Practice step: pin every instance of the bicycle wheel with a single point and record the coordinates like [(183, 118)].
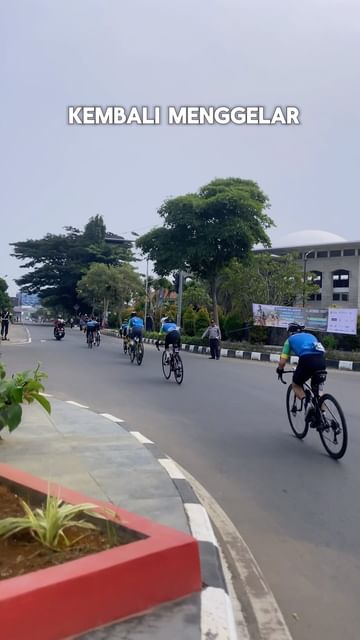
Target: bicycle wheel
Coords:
[(166, 364), (140, 353), (90, 340), (98, 339), (132, 348), (333, 430), (296, 414), (125, 347), (178, 369)]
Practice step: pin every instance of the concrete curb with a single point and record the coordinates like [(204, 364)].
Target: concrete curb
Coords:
[(346, 365), (217, 615)]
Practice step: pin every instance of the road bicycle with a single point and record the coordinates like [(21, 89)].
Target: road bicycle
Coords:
[(125, 345), (172, 363), (136, 350), (90, 339), (97, 338), (320, 412)]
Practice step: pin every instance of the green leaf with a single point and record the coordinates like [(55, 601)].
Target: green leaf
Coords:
[(13, 415), (43, 401)]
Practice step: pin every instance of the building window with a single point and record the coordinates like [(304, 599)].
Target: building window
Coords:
[(335, 254), (345, 297), (311, 254), (315, 296), (336, 296), (316, 278), (322, 254), (349, 252), (341, 279)]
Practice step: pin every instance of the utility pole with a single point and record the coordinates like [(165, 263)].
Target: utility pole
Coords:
[(304, 277), (146, 291)]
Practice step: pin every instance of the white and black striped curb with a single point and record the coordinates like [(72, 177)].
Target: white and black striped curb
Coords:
[(217, 616), (347, 365)]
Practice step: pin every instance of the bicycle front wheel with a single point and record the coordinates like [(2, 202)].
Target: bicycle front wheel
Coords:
[(178, 369), (166, 364), (140, 353), (296, 414), (332, 430)]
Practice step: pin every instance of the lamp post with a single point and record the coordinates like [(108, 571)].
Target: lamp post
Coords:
[(304, 278)]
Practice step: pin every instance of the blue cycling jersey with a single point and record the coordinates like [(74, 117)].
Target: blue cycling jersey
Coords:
[(92, 324), (136, 322), (166, 327), (302, 344)]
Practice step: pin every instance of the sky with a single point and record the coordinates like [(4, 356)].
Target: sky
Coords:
[(194, 52)]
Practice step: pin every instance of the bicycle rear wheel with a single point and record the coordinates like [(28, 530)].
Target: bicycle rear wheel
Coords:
[(296, 414), (140, 353), (178, 369), (166, 364), (132, 354), (90, 341), (333, 430), (97, 340)]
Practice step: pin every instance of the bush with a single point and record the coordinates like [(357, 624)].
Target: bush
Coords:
[(202, 321), (329, 341), (22, 387), (258, 335), (189, 318), (233, 326)]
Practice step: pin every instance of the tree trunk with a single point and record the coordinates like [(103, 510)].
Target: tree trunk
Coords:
[(214, 300)]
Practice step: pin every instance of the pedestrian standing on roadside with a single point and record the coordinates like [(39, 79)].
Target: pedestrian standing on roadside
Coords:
[(214, 334), (5, 319)]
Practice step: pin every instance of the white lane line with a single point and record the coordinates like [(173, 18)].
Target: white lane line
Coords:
[(76, 404), (109, 416), (217, 618), (28, 335), (200, 524), (139, 436), (172, 469)]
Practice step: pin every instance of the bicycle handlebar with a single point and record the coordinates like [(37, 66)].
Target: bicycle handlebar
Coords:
[(280, 375)]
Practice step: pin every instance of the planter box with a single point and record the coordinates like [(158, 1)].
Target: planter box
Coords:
[(83, 594)]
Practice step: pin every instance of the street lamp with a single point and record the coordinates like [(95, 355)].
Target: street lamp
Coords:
[(304, 279), (146, 281)]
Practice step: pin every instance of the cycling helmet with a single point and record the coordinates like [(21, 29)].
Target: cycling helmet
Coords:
[(165, 319), (133, 314), (295, 327)]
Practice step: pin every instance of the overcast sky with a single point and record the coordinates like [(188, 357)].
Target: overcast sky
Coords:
[(199, 52)]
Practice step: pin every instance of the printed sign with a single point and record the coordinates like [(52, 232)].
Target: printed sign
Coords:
[(331, 320), (342, 321)]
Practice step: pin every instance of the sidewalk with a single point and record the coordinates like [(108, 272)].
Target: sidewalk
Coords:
[(17, 335), (103, 460)]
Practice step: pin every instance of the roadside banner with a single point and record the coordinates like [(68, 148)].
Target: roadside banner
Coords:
[(331, 320)]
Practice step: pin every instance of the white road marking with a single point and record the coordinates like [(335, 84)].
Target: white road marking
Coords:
[(255, 355), (200, 524), (139, 436), (76, 404), (109, 416), (345, 364), (172, 469), (217, 619)]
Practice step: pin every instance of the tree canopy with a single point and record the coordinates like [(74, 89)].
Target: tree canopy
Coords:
[(56, 263), (5, 302), (202, 232)]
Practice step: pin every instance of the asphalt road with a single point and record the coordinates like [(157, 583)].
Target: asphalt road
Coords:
[(297, 509)]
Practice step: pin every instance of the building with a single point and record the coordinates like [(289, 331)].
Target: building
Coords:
[(27, 299), (334, 261)]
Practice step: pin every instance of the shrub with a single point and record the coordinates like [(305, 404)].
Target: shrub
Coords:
[(22, 387), (233, 326), (202, 321), (329, 341), (189, 318)]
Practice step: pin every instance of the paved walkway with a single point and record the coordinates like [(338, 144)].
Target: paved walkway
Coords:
[(17, 335), (93, 455)]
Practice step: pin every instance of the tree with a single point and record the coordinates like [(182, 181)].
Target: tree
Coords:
[(56, 263), (5, 302), (202, 321), (189, 318), (264, 279), (196, 294), (204, 231), (106, 287)]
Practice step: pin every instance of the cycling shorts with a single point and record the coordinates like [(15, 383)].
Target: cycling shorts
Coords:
[(173, 337), (136, 332), (307, 366)]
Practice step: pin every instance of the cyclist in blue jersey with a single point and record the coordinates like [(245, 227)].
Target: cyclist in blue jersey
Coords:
[(92, 325), (135, 328), (311, 355), (170, 330)]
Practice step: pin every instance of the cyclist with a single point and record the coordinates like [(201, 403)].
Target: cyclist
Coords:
[(135, 327), (311, 355), (171, 332), (92, 325), (123, 334)]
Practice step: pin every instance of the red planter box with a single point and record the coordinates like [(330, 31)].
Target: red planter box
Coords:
[(70, 599)]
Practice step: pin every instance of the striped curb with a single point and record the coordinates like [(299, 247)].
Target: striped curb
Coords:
[(217, 616), (346, 365)]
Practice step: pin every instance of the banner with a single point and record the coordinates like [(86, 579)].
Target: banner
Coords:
[(331, 320), (342, 321)]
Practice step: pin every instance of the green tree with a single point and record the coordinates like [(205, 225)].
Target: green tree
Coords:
[(262, 279), (5, 302), (189, 318), (56, 263), (202, 321), (196, 294), (204, 231), (106, 287)]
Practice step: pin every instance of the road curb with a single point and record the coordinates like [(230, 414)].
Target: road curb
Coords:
[(345, 365), (217, 616)]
